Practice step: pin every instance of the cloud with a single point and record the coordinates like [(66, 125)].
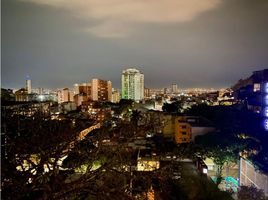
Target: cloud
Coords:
[(116, 17)]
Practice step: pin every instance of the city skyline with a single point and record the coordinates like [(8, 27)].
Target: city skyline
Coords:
[(213, 44)]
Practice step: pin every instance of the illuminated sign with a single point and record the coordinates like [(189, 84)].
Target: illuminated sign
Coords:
[(266, 111), (265, 105), (266, 87), (266, 99), (266, 124)]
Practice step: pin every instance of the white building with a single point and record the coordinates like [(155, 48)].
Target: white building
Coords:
[(28, 85), (132, 84)]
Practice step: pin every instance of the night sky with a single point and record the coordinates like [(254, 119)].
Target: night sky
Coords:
[(194, 43)]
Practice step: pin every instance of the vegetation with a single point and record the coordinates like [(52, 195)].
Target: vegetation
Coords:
[(223, 148), (250, 193), (174, 107)]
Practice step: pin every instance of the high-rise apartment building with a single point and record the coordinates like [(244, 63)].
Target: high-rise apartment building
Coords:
[(65, 95), (115, 96), (101, 90), (174, 88), (28, 85), (132, 84)]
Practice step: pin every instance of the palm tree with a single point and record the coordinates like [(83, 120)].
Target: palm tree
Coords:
[(135, 117)]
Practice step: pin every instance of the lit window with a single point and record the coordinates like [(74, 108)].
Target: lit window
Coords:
[(205, 171), (256, 87), (266, 99), (266, 111)]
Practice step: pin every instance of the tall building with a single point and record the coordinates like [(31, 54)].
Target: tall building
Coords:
[(174, 88), (101, 90), (28, 85), (65, 95), (115, 96), (132, 84)]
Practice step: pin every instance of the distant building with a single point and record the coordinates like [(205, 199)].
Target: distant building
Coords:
[(183, 130), (115, 96), (178, 128), (147, 93), (65, 95), (96, 110), (66, 107), (79, 99), (174, 88), (28, 85), (101, 90), (83, 88), (22, 95), (132, 84), (95, 90)]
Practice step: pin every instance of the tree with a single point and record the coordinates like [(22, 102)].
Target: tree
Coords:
[(250, 193), (43, 159), (174, 107), (223, 148), (135, 118)]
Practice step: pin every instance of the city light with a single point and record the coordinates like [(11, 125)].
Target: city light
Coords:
[(266, 87), (266, 124), (266, 111), (265, 106), (266, 99)]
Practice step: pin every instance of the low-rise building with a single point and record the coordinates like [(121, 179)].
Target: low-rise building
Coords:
[(146, 161)]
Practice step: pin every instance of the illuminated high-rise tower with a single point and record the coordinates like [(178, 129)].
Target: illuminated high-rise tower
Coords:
[(28, 85), (132, 84)]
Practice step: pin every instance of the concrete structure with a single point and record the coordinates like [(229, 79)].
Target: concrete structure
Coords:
[(174, 88), (79, 99), (21, 95), (63, 95), (178, 128), (115, 96), (183, 130), (66, 107), (253, 91), (101, 90), (96, 110), (28, 85), (132, 84), (251, 176)]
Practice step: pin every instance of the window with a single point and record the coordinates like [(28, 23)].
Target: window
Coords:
[(183, 126), (256, 87), (183, 133)]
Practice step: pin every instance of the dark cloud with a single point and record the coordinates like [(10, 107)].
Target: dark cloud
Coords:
[(214, 49)]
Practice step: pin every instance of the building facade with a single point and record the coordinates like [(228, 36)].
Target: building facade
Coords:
[(250, 176), (65, 95), (132, 84), (28, 85), (101, 90), (178, 128)]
